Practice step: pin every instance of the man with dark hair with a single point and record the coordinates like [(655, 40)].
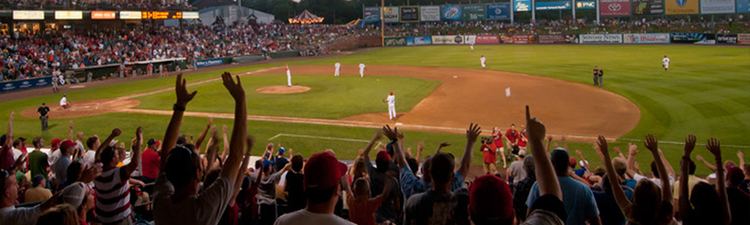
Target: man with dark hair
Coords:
[(43, 115), (322, 182), (437, 205), (692, 181), (38, 162), (176, 198), (294, 185), (112, 185), (38, 191), (60, 168), (578, 198), (92, 143)]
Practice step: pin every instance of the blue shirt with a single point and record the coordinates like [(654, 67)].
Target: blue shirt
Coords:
[(578, 200)]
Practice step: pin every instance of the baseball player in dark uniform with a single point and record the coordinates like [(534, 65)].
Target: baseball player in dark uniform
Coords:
[(43, 115)]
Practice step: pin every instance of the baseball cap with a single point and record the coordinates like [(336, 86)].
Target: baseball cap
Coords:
[(282, 150), (151, 142), (55, 143), (383, 156), (74, 194), (490, 201), (67, 144), (323, 170)]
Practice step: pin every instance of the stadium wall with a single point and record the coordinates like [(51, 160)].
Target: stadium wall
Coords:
[(626, 38)]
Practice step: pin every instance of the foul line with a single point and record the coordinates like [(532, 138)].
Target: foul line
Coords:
[(318, 137)]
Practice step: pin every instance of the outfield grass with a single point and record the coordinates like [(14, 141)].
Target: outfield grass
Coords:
[(329, 97), (705, 93)]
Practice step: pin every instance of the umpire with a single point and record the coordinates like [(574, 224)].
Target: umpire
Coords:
[(43, 115)]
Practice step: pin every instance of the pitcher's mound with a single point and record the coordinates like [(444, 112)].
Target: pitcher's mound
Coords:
[(280, 89)]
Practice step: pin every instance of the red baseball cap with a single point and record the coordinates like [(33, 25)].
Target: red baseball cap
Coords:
[(55, 143), (67, 144), (323, 170), (383, 156), (490, 200)]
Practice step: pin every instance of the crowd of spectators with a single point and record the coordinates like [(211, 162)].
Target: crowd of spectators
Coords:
[(97, 4), (729, 24), (93, 180), (55, 52)]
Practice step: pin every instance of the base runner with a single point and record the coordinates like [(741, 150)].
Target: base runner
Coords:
[(337, 69), (483, 61), (361, 70)]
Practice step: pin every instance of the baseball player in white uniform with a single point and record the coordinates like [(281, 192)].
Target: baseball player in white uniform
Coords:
[(483, 61), (391, 100), (665, 63), (337, 69), (64, 102), (361, 70), (288, 76)]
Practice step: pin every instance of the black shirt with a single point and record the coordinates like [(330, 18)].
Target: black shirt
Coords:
[(43, 110)]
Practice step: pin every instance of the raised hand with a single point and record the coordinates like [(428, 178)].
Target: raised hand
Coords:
[(535, 128), (651, 143), (632, 149), (740, 155), (183, 97), (473, 132), (235, 89), (391, 133), (601, 143), (115, 133), (714, 146), (689, 144)]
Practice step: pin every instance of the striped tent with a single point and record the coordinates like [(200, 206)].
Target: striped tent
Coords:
[(306, 17)]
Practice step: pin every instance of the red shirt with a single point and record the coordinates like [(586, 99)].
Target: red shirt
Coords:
[(498, 140), (150, 161), (512, 135), (363, 212)]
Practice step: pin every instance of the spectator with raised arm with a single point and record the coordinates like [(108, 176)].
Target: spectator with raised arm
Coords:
[(707, 204), (113, 185), (177, 200), (650, 205)]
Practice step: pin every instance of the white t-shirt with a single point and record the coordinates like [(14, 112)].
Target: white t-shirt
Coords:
[(391, 99), (63, 101), (657, 181), (303, 216), (89, 158)]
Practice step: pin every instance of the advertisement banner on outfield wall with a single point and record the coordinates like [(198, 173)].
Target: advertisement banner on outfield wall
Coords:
[(429, 13), (473, 12), (409, 14), (614, 7), (600, 38), (688, 37), (454, 39), (395, 41), (450, 12), (743, 6), (371, 15), (556, 5), (420, 40), (743, 39), (648, 7), (498, 11), (717, 6), (211, 62), (555, 39), (585, 4), (727, 39), (681, 7), (16, 85), (390, 14), (521, 5), (656, 38), (523, 39), (487, 39)]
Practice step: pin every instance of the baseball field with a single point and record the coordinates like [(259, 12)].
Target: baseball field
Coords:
[(439, 90)]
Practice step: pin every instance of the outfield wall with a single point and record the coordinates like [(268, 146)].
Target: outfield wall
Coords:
[(628, 38)]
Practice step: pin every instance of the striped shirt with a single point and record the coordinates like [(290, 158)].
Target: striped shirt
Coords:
[(112, 196)]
